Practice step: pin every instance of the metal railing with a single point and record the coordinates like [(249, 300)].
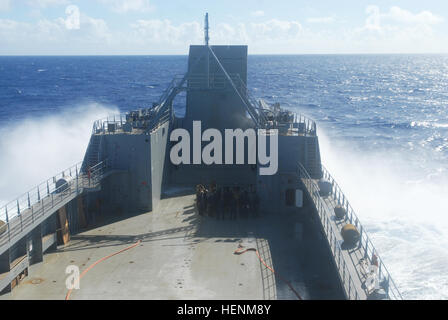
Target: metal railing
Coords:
[(22, 212), (173, 84), (309, 126), (161, 111), (331, 231), (365, 243), (102, 125), (253, 104)]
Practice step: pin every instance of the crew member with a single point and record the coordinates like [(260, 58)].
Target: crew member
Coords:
[(236, 205), (227, 207)]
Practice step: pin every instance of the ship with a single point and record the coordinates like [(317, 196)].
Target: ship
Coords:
[(160, 209)]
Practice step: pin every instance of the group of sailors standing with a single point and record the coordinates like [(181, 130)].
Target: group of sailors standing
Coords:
[(227, 202)]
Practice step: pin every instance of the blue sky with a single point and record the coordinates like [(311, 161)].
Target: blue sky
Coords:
[(270, 27)]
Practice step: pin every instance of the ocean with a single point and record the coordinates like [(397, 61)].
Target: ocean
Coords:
[(382, 124)]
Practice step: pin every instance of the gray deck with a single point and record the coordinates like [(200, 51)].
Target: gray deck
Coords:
[(185, 256), (351, 255)]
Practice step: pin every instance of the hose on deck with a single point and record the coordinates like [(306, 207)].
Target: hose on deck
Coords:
[(239, 251), (67, 297)]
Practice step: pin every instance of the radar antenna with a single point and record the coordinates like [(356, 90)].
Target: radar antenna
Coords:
[(207, 38)]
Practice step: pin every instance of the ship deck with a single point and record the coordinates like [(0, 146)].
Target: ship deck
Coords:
[(185, 256)]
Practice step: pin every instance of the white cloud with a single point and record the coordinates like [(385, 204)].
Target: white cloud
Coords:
[(47, 3), (404, 16), (166, 35), (397, 31), (276, 29), (397, 16), (321, 20), (124, 6), (5, 5), (164, 31), (258, 13), (393, 31), (76, 33), (225, 33)]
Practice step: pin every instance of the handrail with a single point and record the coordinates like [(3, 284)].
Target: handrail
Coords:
[(335, 247), (161, 111), (45, 196), (100, 125), (46, 187), (309, 125), (364, 243)]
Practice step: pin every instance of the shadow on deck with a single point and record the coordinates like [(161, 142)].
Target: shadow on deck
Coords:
[(300, 258), (186, 256)]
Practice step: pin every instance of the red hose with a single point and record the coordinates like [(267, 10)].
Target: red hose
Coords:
[(67, 297), (238, 251)]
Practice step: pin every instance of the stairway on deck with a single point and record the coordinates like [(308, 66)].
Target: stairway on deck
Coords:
[(312, 163), (93, 153)]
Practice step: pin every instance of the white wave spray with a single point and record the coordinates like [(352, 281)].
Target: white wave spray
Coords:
[(407, 219), (37, 148)]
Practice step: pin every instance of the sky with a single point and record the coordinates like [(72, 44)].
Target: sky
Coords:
[(128, 27)]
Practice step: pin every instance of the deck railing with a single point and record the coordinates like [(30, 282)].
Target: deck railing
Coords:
[(307, 126), (101, 125), (162, 112), (45, 197), (365, 243)]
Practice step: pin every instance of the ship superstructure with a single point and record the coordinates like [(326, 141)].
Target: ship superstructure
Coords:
[(128, 193)]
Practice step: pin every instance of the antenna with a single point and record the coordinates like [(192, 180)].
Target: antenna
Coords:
[(206, 29)]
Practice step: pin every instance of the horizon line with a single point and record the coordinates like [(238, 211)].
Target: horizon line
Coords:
[(251, 54)]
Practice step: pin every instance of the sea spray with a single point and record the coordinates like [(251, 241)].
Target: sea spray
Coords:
[(404, 210), (35, 148)]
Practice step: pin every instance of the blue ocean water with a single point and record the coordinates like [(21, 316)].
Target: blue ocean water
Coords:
[(382, 122)]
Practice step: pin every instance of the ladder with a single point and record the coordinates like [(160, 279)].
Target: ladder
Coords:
[(93, 154), (313, 164)]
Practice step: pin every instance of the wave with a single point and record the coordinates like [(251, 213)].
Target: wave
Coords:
[(404, 209), (36, 148)]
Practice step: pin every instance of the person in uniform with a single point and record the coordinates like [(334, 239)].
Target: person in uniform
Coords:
[(244, 200), (254, 202), (198, 199), (236, 205), (218, 199), (204, 200), (211, 201), (227, 203)]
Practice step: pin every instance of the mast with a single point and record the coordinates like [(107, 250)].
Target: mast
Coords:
[(207, 38), (207, 60)]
